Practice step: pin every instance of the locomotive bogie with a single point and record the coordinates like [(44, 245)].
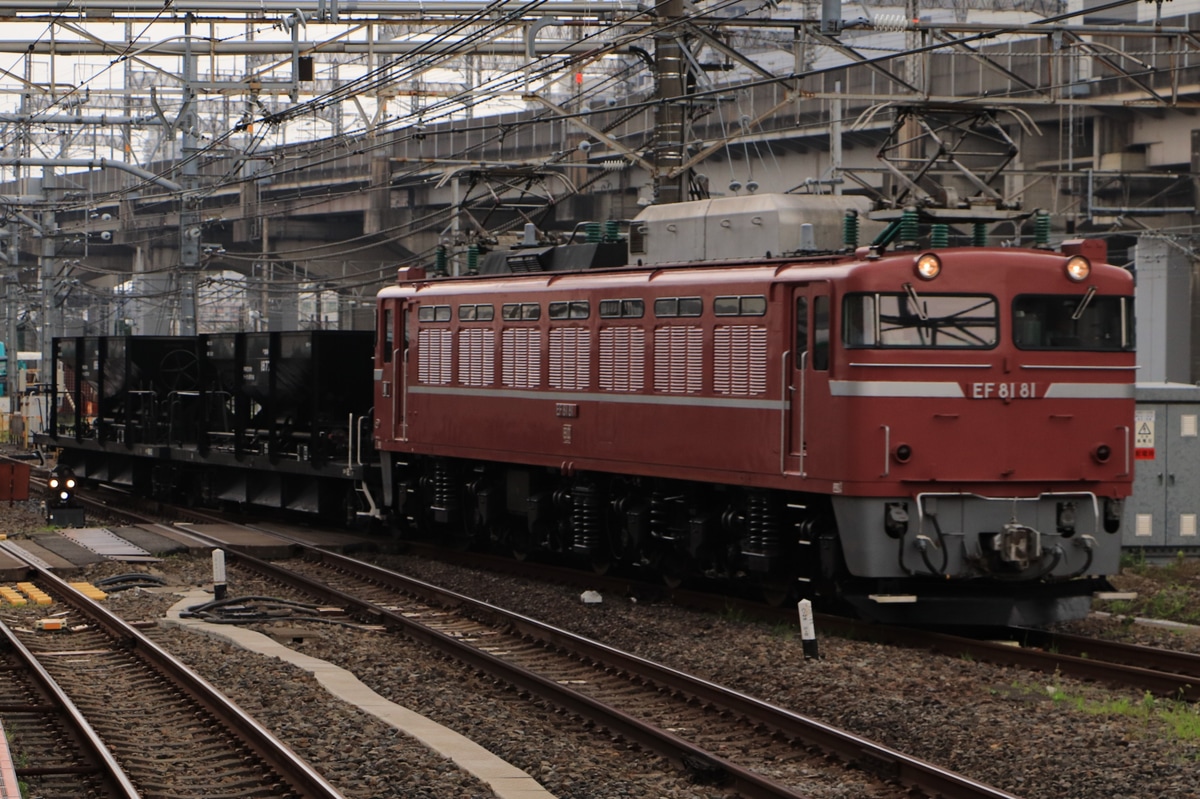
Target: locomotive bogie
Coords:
[(674, 528)]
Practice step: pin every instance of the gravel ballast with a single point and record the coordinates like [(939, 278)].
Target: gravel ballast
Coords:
[(1030, 734)]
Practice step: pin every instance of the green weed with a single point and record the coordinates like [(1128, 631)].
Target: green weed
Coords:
[(1134, 561), (1181, 719)]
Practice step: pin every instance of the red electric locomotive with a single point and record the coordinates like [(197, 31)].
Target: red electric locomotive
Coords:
[(924, 436)]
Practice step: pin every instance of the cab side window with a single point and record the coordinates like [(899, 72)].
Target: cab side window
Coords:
[(820, 344), (801, 330), (389, 335)]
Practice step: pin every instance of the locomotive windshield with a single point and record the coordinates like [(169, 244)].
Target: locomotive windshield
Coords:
[(1072, 322), (910, 319)]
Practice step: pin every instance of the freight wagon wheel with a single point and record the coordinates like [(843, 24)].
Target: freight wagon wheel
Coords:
[(350, 507)]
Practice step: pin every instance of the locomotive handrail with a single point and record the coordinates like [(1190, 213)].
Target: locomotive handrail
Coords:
[(1126, 438), (785, 387), (1088, 495), (354, 455), (925, 365), (404, 393), (364, 431), (887, 446), (1097, 367), (803, 407)]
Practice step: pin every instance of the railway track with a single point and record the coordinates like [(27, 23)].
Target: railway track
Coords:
[(717, 734), (1162, 672), (61, 755), (1145, 669), (1176, 673), (172, 732)]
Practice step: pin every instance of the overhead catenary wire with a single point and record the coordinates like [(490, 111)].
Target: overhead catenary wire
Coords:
[(426, 112), (547, 65), (445, 107)]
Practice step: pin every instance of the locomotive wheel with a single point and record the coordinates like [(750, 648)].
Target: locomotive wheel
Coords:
[(775, 591), (519, 543), (673, 568), (600, 562)]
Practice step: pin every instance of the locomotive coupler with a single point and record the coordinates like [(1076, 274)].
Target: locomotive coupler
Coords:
[(1018, 544)]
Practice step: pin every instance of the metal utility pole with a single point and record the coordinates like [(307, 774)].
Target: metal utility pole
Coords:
[(12, 294), (671, 71), (51, 313), (189, 209)]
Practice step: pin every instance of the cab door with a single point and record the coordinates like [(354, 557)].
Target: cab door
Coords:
[(390, 373), (808, 382)]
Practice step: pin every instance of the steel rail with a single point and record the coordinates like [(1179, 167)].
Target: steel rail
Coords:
[(876, 758), (1179, 677), (299, 774), (619, 723), (1163, 673), (1160, 683), (1168, 675), (89, 740), (1185, 664)]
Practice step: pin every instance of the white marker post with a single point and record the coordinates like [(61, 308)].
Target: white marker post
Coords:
[(219, 587), (808, 630)]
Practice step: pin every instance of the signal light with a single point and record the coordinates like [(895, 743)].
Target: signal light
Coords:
[(62, 508), (62, 486), (903, 453), (1102, 453)]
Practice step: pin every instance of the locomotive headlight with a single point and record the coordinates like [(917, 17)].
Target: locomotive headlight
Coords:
[(70, 482), (903, 453), (928, 266), (1078, 268), (64, 495), (54, 482), (1102, 453)]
